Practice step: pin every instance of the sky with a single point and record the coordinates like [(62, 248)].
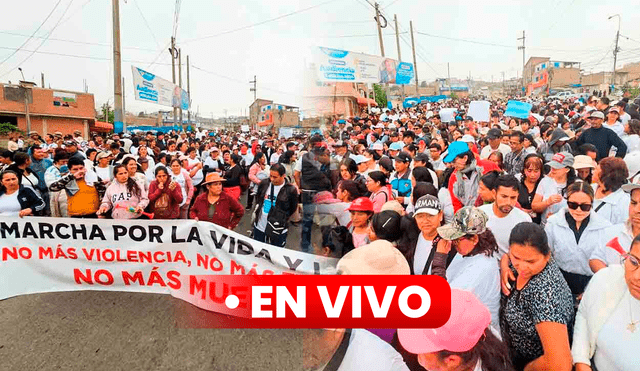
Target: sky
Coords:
[(228, 42)]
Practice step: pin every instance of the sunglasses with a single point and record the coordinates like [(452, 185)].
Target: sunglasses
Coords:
[(575, 205), (632, 259)]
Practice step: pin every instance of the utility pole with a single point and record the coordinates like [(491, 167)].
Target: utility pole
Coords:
[(449, 79), (118, 124), (254, 90), (180, 85), (377, 18), (415, 65), (42, 79), (615, 51), (395, 21), (173, 75), (522, 47), (124, 108), (188, 93)]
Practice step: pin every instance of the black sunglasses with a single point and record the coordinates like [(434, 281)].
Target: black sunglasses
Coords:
[(575, 205)]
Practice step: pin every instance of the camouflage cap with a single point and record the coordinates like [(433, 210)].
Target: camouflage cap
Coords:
[(468, 220)]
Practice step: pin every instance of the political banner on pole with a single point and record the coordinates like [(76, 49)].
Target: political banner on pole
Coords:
[(39, 255), (151, 88), (335, 65)]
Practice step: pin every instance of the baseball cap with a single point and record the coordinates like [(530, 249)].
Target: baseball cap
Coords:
[(423, 157), (359, 159), (494, 133), (403, 156), (379, 257), (467, 138), (427, 204), (33, 133), (377, 146), (392, 126), (379, 126), (466, 325), (468, 220), (361, 204), (561, 160), (633, 164), (396, 146), (456, 148), (102, 155), (70, 143), (596, 114), (215, 149)]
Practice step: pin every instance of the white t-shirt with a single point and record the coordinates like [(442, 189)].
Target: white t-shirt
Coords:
[(501, 227), (199, 176), (546, 188), (267, 205), (423, 249), (487, 150), (105, 173), (479, 274), (9, 204), (183, 185), (367, 351)]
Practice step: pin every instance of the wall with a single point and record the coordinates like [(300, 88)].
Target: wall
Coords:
[(529, 68), (563, 77)]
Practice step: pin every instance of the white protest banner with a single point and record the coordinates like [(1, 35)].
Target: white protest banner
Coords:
[(447, 114), (40, 255), (345, 66), (151, 88), (479, 110), (285, 133)]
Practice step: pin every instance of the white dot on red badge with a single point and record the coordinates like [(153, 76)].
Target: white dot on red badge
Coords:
[(232, 302)]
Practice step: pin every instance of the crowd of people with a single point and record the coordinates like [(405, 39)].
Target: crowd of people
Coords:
[(534, 222)]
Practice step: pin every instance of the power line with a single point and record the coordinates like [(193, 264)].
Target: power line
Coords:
[(43, 41), (241, 81), (258, 23), (393, 2), (79, 56), (76, 11), (33, 34), (76, 41), (369, 35), (146, 23)]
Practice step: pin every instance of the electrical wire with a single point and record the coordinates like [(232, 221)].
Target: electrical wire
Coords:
[(241, 81), (393, 2), (33, 34), (43, 41), (258, 23), (77, 42), (146, 23)]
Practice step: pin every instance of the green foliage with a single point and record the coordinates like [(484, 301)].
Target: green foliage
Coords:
[(7, 127), (454, 95), (630, 92), (381, 95)]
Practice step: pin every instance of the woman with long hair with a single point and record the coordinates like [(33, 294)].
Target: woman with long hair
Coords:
[(611, 201), (133, 168), (476, 267), (288, 160), (532, 174), (380, 192), (125, 197), (536, 311), (258, 171), (17, 200), (143, 152), (26, 176), (181, 176), (574, 233), (165, 195), (232, 175), (632, 135), (549, 198)]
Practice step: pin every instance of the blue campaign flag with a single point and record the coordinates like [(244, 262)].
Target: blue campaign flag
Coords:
[(518, 109)]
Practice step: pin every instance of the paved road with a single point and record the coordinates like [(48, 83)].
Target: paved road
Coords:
[(92, 330)]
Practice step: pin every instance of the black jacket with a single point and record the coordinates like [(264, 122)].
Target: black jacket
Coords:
[(312, 178), (287, 199), (28, 199), (409, 242), (603, 138)]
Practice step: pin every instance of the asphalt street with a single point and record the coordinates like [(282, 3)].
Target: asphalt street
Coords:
[(93, 330)]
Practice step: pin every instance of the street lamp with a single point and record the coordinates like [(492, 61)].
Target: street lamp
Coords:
[(20, 69)]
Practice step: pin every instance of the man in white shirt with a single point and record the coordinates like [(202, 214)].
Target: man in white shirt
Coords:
[(495, 144), (502, 213)]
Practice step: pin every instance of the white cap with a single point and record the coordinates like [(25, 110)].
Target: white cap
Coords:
[(468, 139)]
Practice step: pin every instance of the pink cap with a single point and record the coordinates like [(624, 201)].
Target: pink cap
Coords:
[(468, 321)]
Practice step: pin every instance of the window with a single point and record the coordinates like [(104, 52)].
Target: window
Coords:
[(556, 64), (544, 65)]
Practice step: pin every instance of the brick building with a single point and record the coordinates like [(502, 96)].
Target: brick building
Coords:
[(49, 110), (542, 74)]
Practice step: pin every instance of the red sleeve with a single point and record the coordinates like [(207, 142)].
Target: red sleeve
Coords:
[(457, 204), (154, 191), (237, 212), (193, 212)]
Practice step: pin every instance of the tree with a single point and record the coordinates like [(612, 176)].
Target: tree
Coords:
[(381, 96), (107, 113)]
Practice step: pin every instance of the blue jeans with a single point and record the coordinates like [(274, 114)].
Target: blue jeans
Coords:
[(260, 236), (308, 210)]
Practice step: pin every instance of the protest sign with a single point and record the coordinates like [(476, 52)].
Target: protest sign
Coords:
[(518, 109), (40, 255), (447, 114), (479, 110)]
